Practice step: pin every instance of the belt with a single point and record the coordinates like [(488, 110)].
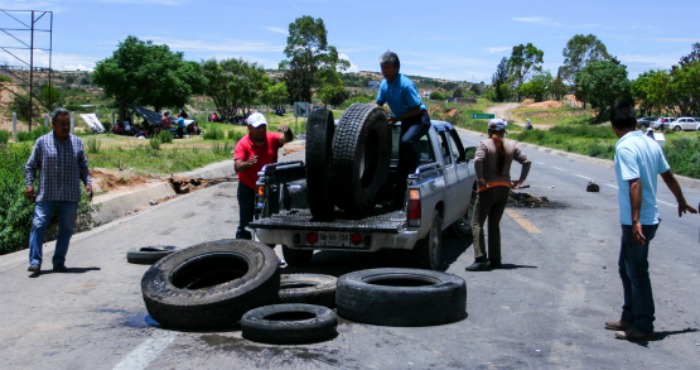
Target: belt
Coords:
[(493, 184)]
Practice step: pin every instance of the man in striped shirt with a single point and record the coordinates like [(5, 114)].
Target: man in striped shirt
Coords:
[(60, 159)]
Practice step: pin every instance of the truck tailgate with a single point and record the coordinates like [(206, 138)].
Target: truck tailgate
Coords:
[(301, 219)]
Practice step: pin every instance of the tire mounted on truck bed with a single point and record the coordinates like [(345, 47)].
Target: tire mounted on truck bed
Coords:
[(361, 157), (211, 285), (319, 151)]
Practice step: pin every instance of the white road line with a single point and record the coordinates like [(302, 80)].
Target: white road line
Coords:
[(666, 203), (538, 162), (143, 355), (611, 186), (584, 177), (559, 168)]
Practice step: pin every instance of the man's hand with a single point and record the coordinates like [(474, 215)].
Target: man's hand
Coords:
[(283, 128), (29, 192), (637, 233), (252, 160), (88, 190), (684, 207), (393, 120)]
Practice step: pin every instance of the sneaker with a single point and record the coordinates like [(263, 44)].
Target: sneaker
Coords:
[(478, 266), (634, 335), (60, 268), (617, 325), (34, 268)]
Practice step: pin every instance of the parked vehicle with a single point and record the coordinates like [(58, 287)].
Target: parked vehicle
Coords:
[(685, 123), (657, 125), (440, 194), (645, 122)]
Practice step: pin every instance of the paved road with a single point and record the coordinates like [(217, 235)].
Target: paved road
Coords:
[(544, 309)]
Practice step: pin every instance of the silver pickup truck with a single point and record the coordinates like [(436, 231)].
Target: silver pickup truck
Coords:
[(440, 195)]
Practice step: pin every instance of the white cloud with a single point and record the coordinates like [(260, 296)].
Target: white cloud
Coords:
[(676, 40), (536, 20), (497, 49), (353, 67), (280, 30), (226, 46)]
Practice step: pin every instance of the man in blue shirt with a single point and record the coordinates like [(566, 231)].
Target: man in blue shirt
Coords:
[(638, 161), (61, 161), (400, 93)]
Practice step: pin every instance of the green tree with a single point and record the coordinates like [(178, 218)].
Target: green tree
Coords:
[(499, 78), (524, 60), (147, 74), (579, 51), (693, 57), (308, 53), (538, 87), (685, 87), (275, 95), (603, 84), (559, 88), (457, 93), (234, 84)]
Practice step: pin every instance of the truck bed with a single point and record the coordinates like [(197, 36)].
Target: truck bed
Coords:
[(300, 219)]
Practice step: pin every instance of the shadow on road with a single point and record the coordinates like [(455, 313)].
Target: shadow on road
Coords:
[(71, 270)]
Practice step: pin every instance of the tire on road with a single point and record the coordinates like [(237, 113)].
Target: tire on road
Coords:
[(429, 249), (290, 323), (361, 157), (316, 289), (319, 152), (149, 255), (211, 285), (401, 297)]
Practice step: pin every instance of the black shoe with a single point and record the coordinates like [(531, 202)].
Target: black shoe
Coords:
[(478, 266), (495, 263), (60, 268), (34, 268)]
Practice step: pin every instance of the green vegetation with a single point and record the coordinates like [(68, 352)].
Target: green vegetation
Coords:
[(4, 136), (15, 210)]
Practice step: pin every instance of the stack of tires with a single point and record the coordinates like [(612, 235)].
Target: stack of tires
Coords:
[(347, 164)]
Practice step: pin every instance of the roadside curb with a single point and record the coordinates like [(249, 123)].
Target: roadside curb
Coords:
[(108, 208)]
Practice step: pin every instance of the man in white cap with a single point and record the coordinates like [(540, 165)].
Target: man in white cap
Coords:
[(252, 152)]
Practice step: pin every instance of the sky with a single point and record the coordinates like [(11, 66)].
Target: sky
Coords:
[(459, 40)]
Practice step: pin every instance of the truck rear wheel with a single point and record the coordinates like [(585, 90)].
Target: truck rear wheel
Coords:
[(429, 249), (319, 152), (297, 257), (361, 157)]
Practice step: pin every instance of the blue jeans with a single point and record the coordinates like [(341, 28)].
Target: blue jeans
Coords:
[(246, 210), (67, 213), (638, 308), (411, 132)]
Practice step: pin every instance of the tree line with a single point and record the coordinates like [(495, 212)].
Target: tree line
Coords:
[(598, 78)]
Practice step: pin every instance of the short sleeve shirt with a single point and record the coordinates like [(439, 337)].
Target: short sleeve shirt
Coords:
[(401, 95), (266, 154), (639, 157)]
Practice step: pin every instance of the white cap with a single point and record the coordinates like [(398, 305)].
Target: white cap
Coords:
[(256, 120)]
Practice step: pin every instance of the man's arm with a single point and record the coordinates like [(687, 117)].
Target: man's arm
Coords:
[(675, 188), (415, 112), (636, 203), (288, 135)]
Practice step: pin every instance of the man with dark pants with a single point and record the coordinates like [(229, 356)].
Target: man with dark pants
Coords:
[(400, 93), (252, 152), (61, 161), (638, 161)]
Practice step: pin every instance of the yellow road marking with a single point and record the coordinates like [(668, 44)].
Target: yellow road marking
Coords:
[(525, 224)]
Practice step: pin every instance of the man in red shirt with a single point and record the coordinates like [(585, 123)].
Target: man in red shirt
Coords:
[(254, 151)]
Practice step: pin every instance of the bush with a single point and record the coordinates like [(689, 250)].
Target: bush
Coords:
[(34, 134), (235, 135), (4, 137), (222, 149), (165, 136), (93, 145), (684, 156), (213, 133), (154, 143), (15, 211)]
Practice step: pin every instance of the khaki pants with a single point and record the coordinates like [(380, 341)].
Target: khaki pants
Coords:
[(490, 205)]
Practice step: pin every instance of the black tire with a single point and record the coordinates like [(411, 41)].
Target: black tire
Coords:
[(462, 228), (429, 249), (361, 157), (676, 128), (308, 288), (211, 285), (319, 153), (401, 297), (297, 257), (149, 255), (290, 323)]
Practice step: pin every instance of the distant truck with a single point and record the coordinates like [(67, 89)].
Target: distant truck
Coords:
[(341, 198)]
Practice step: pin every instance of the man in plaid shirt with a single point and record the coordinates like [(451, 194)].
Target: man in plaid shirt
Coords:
[(62, 164)]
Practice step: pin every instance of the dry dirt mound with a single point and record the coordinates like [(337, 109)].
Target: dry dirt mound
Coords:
[(527, 101), (547, 104), (109, 180)]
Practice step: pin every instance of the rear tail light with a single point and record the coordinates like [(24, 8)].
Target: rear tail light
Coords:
[(312, 238), (413, 210), (260, 190), (356, 238)]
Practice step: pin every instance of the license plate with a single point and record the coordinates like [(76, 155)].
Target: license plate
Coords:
[(334, 239)]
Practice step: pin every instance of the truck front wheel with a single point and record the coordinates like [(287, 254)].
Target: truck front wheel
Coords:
[(429, 249), (297, 257)]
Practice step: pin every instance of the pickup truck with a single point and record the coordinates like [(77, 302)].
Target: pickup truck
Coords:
[(440, 195)]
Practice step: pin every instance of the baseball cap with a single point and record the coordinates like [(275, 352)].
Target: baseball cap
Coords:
[(256, 120), (497, 125)]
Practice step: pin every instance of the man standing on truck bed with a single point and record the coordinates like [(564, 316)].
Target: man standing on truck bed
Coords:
[(406, 106), (252, 152)]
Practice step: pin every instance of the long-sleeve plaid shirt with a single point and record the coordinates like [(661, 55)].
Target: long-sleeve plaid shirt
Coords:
[(61, 165)]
